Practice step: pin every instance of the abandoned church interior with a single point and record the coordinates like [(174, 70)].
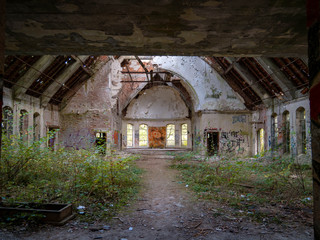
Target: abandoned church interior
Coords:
[(220, 78), (246, 105)]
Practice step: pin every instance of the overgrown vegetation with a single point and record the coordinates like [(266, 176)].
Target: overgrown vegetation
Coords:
[(248, 185), (34, 173)]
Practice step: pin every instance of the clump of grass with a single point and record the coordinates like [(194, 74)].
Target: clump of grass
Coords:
[(246, 184), (103, 184)]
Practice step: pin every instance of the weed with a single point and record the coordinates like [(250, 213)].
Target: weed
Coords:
[(30, 173), (249, 184)]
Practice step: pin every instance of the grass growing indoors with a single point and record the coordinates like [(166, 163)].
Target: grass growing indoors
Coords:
[(31, 173), (251, 187)]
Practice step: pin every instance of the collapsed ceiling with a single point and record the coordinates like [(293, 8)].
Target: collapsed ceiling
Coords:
[(55, 79)]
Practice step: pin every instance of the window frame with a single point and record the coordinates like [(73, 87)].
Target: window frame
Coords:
[(184, 135), (173, 135), (132, 138), (145, 140)]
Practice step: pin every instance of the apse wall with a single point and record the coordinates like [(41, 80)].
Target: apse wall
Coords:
[(157, 107)]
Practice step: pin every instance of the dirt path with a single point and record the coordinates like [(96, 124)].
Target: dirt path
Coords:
[(166, 209)]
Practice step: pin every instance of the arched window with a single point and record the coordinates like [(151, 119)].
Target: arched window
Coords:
[(274, 131), (23, 125), (184, 135), (36, 127), (7, 121), (143, 135), (170, 135), (129, 135), (286, 131), (260, 138), (301, 130)]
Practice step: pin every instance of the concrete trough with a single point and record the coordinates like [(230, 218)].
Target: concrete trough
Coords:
[(54, 213)]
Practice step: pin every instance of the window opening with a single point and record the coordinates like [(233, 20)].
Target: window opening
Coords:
[(212, 143), (170, 135), (129, 135), (52, 135), (101, 142), (184, 135), (7, 121), (260, 138), (143, 135)]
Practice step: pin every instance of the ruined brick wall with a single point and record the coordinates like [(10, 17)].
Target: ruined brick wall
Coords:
[(89, 111)]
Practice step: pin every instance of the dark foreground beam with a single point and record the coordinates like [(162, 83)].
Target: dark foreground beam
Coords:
[(314, 71), (2, 28)]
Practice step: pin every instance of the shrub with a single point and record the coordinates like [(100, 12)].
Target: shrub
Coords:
[(33, 173)]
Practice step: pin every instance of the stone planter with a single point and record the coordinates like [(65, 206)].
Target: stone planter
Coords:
[(54, 213)]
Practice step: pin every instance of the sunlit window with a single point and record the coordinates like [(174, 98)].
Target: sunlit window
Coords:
[(143, 135), (170, 135), (184, 135), (129, 135), (261, 141)]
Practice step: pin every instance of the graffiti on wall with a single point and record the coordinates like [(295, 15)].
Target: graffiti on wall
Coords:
[(293, 142), (233, 142), (239, 119), (157, 137)]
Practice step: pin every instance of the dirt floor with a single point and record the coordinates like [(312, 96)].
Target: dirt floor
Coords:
[(166, 209)]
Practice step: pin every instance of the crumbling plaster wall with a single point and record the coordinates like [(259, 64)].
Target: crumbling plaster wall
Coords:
[(210, 91), (157, 107), (264, 121), (158, 102), (234, 130), (49, 116)]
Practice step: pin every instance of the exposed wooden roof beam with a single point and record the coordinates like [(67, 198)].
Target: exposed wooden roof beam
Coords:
[(61, 80), (245, 74), (281, 79), (31, 75)]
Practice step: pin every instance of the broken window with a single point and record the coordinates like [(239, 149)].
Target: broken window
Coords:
[(7, 121), (129, 135), (184, 135), (301, 130), (23, 125), (274, 131), (36, 127), (286, 131), (260, 137), (101, 142), (143, 135), (170, 135)]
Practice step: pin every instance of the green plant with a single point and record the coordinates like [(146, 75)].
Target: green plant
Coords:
[(245, 183), (32, 173)]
